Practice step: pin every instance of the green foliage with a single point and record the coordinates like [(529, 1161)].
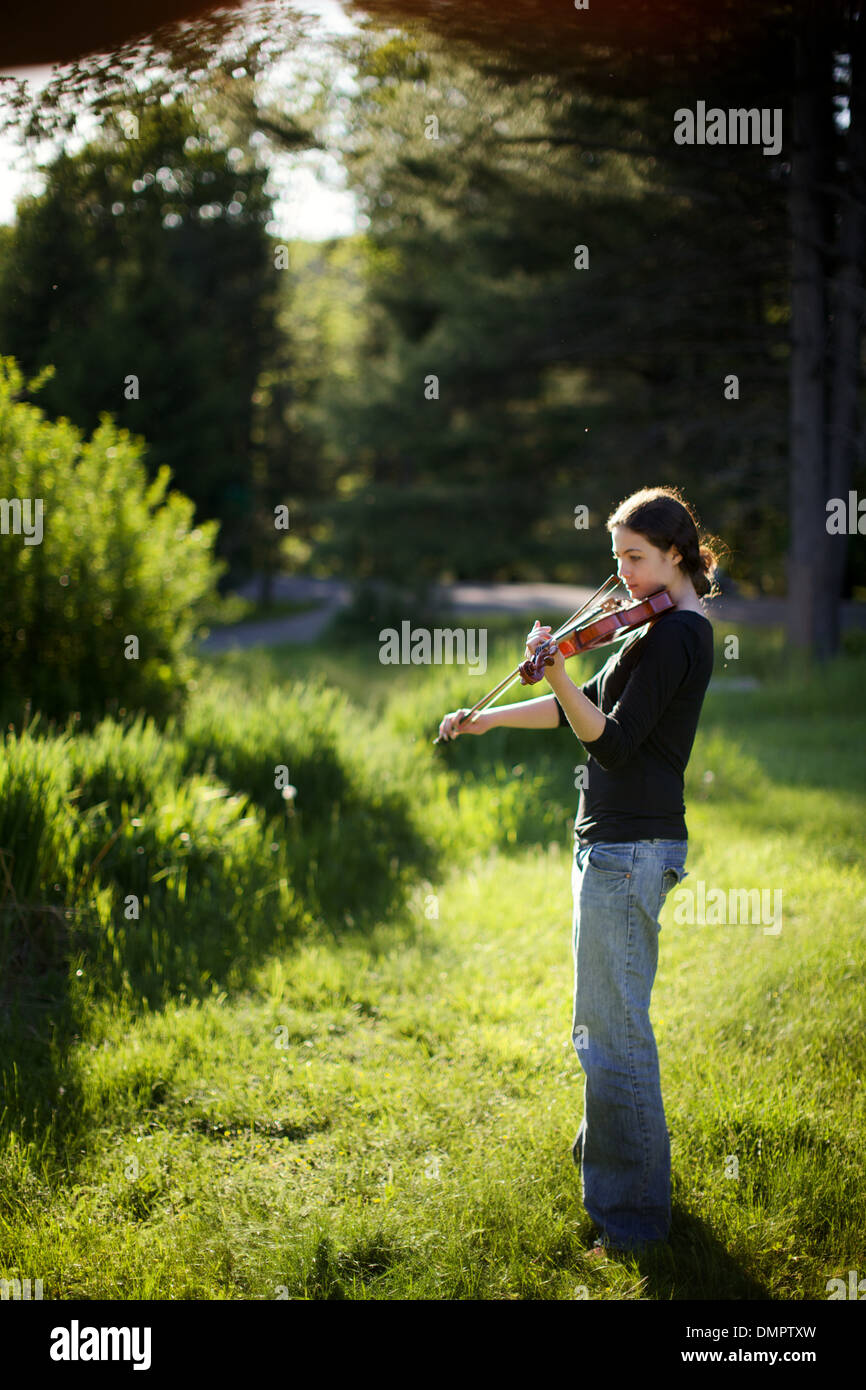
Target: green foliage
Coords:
[(118, 558), (148, 257), (557, 386)]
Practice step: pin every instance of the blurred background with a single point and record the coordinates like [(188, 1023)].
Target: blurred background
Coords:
[(336, 249)]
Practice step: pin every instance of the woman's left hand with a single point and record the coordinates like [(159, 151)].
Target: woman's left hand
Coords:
[(535, 638)]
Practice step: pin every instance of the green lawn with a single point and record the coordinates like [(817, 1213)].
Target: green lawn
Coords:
[(384, 1108)]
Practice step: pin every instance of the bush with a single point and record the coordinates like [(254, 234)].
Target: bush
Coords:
[(116, 560)]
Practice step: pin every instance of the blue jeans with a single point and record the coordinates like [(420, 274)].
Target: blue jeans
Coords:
[(622, 1146)]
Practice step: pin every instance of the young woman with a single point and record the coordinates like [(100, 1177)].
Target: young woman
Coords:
[(637, 719)]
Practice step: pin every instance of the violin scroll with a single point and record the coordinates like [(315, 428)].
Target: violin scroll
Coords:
[(532, 669)]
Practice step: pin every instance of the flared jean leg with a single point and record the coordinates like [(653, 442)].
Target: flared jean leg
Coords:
[(623, 1145)]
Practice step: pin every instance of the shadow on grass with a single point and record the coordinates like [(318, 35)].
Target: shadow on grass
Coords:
[(693, 1264), (38, 1029), (211, 905)]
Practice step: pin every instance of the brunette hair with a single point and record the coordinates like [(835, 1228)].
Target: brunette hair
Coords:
[(663, 516)]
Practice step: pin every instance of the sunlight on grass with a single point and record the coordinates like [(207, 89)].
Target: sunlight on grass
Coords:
[(381, 1105)]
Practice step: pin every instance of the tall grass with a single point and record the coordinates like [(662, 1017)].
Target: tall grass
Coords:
[(342, 1067)]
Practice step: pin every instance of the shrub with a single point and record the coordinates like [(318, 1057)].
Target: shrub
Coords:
[(117, 560)]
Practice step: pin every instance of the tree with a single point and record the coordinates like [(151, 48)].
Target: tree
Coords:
[(194, 300), (142, 275), (804, 58), (647, 58), (828, 228), (552, 382)]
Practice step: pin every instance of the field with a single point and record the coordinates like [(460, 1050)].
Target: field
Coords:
[(331, 1058)]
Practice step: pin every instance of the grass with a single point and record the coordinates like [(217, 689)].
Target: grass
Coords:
[(383, 1107)]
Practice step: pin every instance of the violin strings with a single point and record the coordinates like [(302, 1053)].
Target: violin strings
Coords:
[(506, 684), (568, 626)]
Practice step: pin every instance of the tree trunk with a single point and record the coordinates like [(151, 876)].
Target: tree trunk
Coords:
[(843, 439), (810, 167)]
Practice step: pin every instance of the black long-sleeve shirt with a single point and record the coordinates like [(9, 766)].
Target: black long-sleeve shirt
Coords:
[(651, 692)]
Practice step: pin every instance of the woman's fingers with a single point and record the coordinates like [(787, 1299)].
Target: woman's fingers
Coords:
[(537, 636), (448, 728)]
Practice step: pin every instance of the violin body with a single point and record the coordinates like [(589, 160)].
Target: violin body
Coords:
[(597, 631)]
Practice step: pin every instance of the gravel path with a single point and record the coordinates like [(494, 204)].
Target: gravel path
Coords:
[(555, 601)]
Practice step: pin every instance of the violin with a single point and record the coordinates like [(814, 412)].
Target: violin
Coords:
[(609, 620), (596, 631)]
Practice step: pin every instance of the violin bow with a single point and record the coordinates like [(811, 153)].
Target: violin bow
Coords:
[(500, 689)]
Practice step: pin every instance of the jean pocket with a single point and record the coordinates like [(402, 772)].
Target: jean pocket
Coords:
[(613, 861), (671, 876)]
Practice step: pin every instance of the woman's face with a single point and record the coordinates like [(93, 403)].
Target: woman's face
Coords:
[(640, 565)]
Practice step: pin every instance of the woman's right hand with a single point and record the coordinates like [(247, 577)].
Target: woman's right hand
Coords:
[(449, 729)]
